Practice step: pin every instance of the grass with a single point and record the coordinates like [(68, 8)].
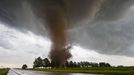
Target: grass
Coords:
[(3, 71), (94, 70)]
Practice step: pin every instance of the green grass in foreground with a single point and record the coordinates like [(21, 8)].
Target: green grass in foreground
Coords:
[(94, 70), (3, 71)]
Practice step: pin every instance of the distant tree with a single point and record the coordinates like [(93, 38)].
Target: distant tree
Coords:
[(66, 64), (87, 64), (54, 64), (38, 62), (74, 64), (24, 66), (71, 64), (78, 64), (103, 64), (94, 64), (120, 66), (108, 65), (46, 62)]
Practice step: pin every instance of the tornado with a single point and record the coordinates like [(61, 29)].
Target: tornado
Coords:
[(57, 16), (57, 22), (54, 16)]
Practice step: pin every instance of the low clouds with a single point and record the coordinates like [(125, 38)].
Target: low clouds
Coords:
[(19, 48), (15, 39)]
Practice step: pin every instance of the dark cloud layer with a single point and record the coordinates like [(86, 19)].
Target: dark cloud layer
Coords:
[(105, 34), (114, 9), (116, 38)]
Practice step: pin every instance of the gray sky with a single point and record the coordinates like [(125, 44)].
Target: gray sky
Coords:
[(108, 38)]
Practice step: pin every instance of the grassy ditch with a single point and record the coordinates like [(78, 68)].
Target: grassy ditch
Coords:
[(94, 70), (3, 71)]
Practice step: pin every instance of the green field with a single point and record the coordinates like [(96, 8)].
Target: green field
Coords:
[(3, 71), (94, 70)]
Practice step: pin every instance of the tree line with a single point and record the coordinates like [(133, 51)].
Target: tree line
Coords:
[(39, 62)]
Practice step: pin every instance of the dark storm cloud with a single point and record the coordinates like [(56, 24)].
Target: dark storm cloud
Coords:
[(112, 37), (19, 15), (114, 9), (115, 37)]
